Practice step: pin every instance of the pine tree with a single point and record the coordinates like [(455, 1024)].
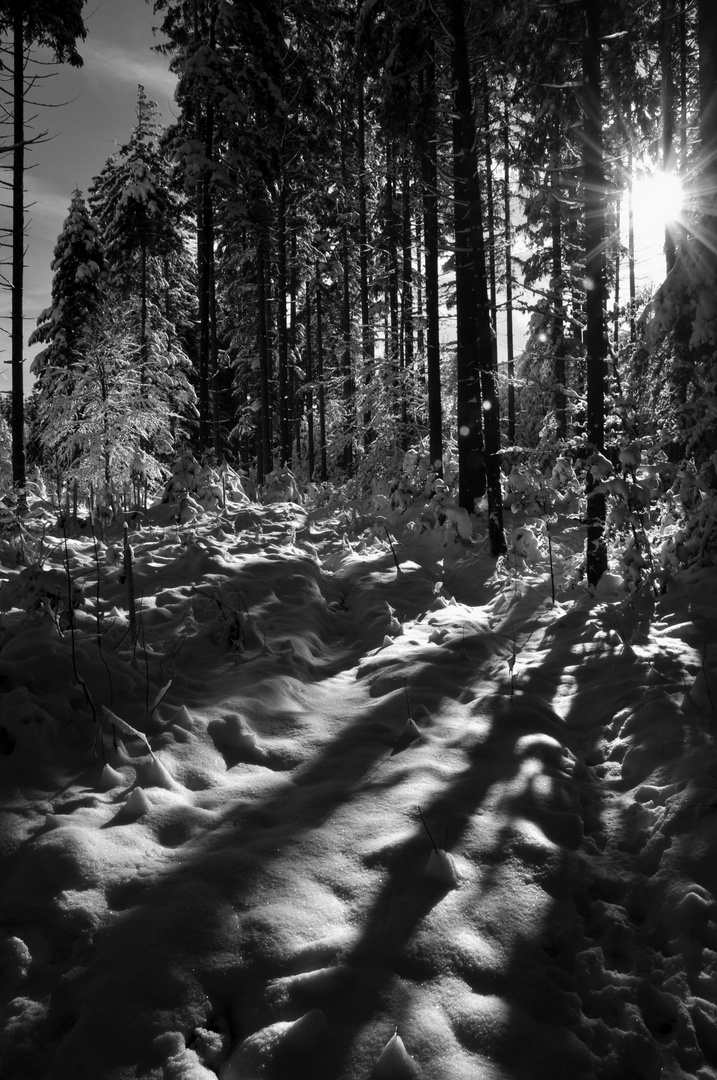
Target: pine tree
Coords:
[(76, 297), (142, 223), (77, 270), (111, 422)]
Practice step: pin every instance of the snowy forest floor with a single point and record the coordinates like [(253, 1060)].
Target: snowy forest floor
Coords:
[(257, 896)]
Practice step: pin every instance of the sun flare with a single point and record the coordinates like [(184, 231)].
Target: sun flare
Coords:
[(658, 198)]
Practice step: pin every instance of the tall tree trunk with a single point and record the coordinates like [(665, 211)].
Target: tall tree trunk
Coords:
[(204, 126), (282, 339), (556, 287), (392, 344), (324, 474), (595, 339), (346, 373), (203, 280), (418, 308), (479, 467), (683, 87), (406, 305), (508, 276), (18, 254), (294, 415), (632, 286), (264, 458), (308, 359), (668, 117), (429, 162), (214, 344), (347, 457), (143, 345), (367, 336), (616, 301), (490, 204)]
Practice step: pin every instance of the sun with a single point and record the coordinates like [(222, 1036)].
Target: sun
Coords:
[(657, 199)]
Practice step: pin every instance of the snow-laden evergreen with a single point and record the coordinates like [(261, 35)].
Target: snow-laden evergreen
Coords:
[(149, 272), (77, 266)]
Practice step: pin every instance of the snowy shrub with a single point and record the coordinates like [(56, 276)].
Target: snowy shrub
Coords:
[(281, 486), (454, 520), (101, 412), (200, 486), (523, 488), (39, 591)]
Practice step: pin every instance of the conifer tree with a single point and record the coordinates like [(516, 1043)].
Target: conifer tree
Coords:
[(111, 423), (141, 220), (77, 267)]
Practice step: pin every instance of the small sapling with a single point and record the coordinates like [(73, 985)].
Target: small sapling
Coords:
[(410, 731), (440, 865), (395, 1063)]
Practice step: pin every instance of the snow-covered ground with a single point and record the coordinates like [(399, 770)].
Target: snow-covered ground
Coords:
[(323, 800)]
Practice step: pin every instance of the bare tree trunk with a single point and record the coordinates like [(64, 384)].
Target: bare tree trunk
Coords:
[(631, 247), (430, 233), (203, 279), (668, 118), (282, 340), (143, 344), (264, 458), (18, 254), (683, 87), (556, 287), (418, 307), (294, 415), (479, 467), (595, 340), (324, 474), (508, 277), (393, 357), (310, 449), (367, 336), (406, 305), (490, 204), (616, 301), (213, 344)]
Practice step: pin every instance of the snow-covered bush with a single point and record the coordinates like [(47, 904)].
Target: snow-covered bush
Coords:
[(204, 485), (281, 486), (37, 591)]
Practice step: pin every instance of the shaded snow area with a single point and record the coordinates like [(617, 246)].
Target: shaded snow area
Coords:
[(314, 817)]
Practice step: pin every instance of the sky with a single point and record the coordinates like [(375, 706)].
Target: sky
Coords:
[(98, 114)]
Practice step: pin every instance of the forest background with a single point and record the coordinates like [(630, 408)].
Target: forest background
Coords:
[(265, 279)]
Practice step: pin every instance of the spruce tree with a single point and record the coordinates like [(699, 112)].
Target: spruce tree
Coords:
[(142, 221), (77, 268), (76, 296)]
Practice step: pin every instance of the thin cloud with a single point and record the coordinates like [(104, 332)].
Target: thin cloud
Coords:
[(114, 64)]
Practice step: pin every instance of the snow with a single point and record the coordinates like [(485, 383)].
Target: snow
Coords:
[(214, 838)]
